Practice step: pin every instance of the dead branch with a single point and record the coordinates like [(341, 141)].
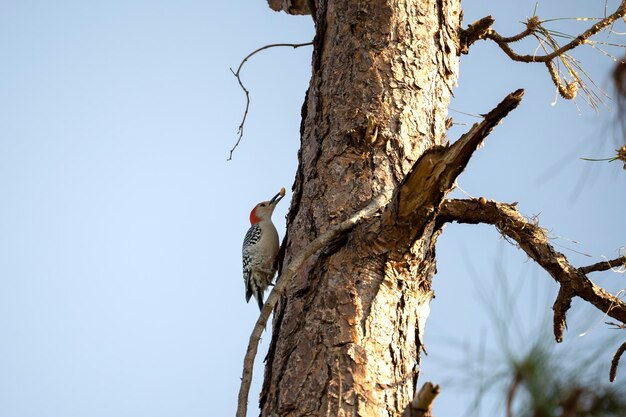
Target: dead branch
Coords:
[(285, 278), (604, 265), (532, 23), (436, 171), (237, 75), (474, 32), (458, 155), (481, 29), (615, 361), (533, 240), (422, 403)]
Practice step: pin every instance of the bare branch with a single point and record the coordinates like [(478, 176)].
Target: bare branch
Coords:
[(615, 361), (533, 240), (474, 32), (604, 265), (237, 75), (503, 42), (431, 178), (460, 152), (438, 169), (285, 278), (481, 29)]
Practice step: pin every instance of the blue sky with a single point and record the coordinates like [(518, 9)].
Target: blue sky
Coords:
[(121, 221)]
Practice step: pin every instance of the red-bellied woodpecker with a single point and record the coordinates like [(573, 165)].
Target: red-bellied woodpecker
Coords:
[(260, 247)]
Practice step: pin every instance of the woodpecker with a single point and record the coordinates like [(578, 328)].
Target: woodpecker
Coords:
[(260, 247)]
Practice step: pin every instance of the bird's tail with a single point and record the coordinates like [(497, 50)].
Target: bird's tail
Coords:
[(259, 298)]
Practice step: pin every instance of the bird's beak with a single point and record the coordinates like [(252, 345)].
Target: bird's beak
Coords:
[(274, 201)]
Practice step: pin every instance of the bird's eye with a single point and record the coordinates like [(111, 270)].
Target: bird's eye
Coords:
[(263, 204)]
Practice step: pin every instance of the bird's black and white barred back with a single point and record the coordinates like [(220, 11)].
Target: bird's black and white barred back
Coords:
[(253, 236)]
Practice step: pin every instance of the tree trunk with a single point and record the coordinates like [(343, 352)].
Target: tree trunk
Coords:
[(347, 333)]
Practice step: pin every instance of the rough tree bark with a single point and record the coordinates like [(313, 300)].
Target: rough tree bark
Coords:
[(346, 335), (348, 326)]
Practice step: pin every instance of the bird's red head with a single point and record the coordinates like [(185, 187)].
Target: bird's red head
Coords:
[(257, 213), (264, 210)]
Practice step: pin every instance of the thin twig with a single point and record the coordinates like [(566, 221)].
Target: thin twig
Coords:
[(281, 283), (604, 265), (246, 92)]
